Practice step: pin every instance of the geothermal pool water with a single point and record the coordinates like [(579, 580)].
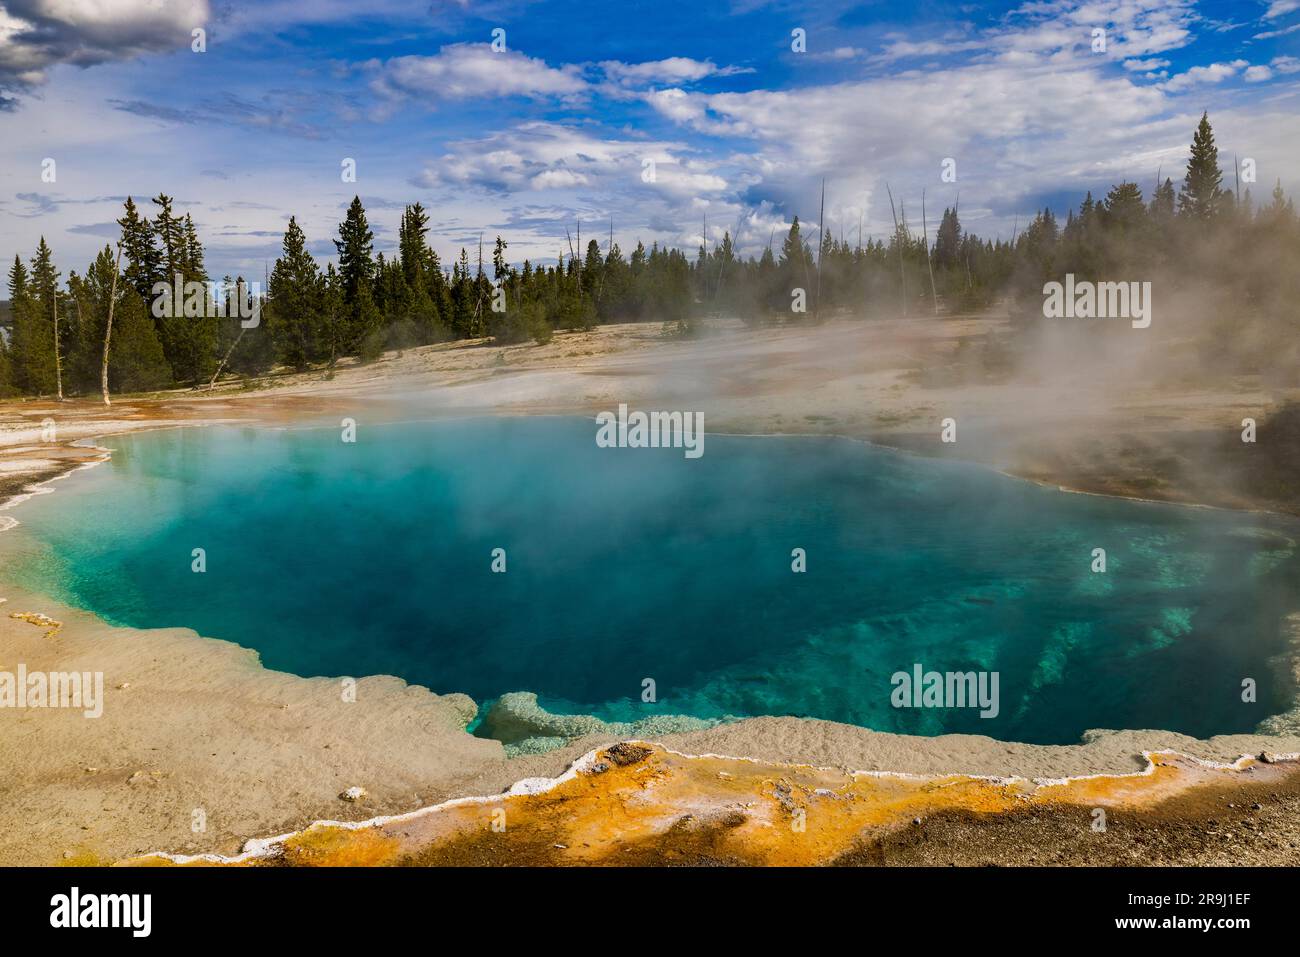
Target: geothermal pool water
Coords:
[(623, 565)]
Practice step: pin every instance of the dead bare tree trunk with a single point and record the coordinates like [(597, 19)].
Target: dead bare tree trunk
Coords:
[(608, 253), (821, 244), (898, 240), (221, 367), (925, 236), (478, 287), (108, 329)]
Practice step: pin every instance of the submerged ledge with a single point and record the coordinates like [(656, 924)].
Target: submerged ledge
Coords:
[(642, 803), (524, 727)]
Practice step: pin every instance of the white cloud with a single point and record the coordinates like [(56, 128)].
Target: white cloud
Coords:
[(677, 69), (1257, 74), (466, 70), (841, 53), (1280, 8), (1269, 34), (557, 179), (900, 48), (1201, 75), (1153, 64), (554, 156), (1134, 28), (37, 34)]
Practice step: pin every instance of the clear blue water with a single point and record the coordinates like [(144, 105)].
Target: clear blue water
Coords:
[(338, 559)]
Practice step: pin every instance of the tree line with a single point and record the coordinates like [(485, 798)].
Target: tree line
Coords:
[(54, 334)]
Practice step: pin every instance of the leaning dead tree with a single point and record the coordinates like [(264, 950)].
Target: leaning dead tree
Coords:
[(239, 291), (108, 329), (221, 367)]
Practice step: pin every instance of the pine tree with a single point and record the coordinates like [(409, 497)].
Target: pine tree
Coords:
[(947, 241), (615, 285), (1202, 197), (794, 251), (500, 268), (412, 247), (45, 278), (1162, 204), (422, 273), (199, 335), (140, 249), (136, 361), (793, 271), (355, 247), (462, 297), (33, 355), (593, 268), (17, 280), (183, 338), (80, 366), (333, 315), (394, 300), (295, 320), (1124, 209), (189, 330), (170, 233), (1037, 245), (17, 296), (193, 255)]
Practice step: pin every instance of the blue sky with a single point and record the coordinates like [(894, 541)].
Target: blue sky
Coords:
[(557, 129)]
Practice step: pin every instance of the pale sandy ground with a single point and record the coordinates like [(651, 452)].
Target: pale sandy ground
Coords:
[(192, 723)]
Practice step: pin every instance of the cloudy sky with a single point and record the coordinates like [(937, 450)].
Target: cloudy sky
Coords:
[(564, 125)]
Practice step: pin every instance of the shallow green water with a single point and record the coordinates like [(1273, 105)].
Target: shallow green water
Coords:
[(627, 564)]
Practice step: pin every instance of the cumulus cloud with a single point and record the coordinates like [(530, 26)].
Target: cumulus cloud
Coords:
[(1137, 66), (900, 48), (1202, 75), (919, 116), (558, 174), (37, 34), (467, 70), (840, 53), (677, 69), (542, 156), (1134, 29)]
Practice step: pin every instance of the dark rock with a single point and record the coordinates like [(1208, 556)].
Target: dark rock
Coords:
[(624, 753)]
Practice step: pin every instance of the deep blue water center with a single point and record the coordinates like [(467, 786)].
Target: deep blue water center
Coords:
[(332, 558)]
